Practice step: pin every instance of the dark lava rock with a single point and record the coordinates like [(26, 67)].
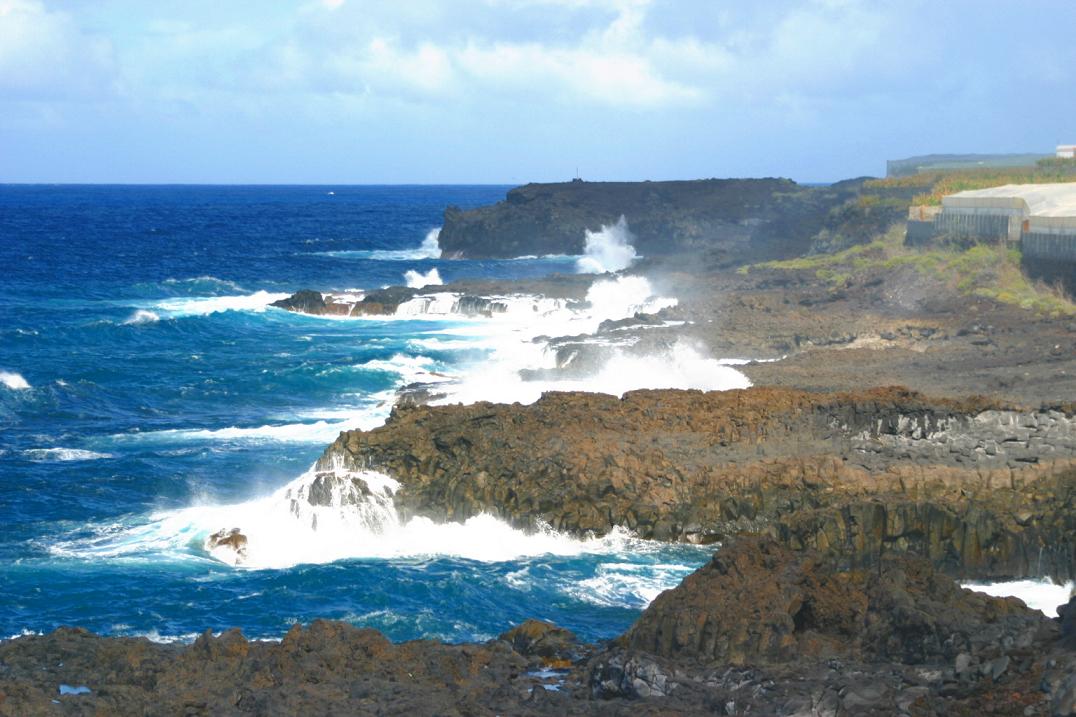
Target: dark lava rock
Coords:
[(757, 602), (1067, 615), (536, 638), (854, 475), (727, 221), (304, 301), (313, 302)]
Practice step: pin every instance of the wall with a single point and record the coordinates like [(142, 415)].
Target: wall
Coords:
[(980, 225)]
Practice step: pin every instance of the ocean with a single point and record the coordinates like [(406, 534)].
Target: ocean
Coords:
[(150, 396), (147, 390)]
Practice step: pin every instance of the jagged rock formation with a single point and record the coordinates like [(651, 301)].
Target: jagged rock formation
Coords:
[(376, 303), (763, 629), (313, 302), (732, 221), (758, 602), (980, 489)]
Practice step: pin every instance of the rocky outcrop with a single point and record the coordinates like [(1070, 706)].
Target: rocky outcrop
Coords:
[(762, 629), (380, 302), (730, 221), (326, 668), (980, 489), (313, 302), (758, 602)]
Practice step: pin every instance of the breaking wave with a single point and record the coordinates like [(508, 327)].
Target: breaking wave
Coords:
[(63, 454), (205, 305), (418, 280), (1041, 595), (14, 381), (142, 316), (628, 584), (429, 249), (322, 517), (609, 249)]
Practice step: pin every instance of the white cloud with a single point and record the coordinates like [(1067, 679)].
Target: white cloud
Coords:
[(45, 55)]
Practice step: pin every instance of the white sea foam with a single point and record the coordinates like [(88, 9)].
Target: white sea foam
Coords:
[(1041, 595), (14, 381), (205, 305), (429, 249), (284, 529), (64, 454), (628, 584), (322, 431), (609, 249), (418, 280), (511, 339), (142, 316), (410, 369)]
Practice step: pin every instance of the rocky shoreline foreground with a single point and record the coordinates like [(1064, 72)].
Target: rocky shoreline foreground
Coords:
[(760, 629)]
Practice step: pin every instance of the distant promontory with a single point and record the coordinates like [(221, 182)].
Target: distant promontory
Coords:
[(722, 221)]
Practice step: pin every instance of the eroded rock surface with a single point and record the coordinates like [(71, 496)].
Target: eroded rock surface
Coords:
[(981, 489)]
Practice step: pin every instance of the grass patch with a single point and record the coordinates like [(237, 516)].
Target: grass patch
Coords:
[(988, 270), (932, 186)]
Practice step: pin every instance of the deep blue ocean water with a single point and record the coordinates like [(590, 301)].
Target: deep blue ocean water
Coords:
[(142, 374)]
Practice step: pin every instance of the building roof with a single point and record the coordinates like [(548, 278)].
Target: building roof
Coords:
[(1037, 200)]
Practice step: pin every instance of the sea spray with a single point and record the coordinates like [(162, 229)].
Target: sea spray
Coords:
[(431, 248), (418, 280), (330, 515), (14, 381), (609, 249), (428, 249)]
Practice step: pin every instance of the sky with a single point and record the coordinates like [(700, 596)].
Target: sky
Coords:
[(510, 91)]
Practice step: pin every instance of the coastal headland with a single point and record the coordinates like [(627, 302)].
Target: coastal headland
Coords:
[(911, 422)]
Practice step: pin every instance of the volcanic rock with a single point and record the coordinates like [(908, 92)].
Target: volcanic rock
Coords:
[(981, 489)]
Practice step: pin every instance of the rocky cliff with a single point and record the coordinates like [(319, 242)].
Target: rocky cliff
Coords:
[(980, 489), (723, 221)]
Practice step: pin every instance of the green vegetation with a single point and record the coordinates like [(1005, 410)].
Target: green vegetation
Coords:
[(932, 186), (988, 270)]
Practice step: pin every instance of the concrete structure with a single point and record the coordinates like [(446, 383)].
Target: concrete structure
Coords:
[(1011, 211), (1066, 151), (1040, 218)]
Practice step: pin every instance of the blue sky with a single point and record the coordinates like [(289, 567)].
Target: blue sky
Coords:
[(356, 91)]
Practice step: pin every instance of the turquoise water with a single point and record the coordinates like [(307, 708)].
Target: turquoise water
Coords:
[(143, 378)]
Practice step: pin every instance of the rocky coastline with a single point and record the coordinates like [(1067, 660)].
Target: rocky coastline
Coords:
[(980, 489), (899, 435)]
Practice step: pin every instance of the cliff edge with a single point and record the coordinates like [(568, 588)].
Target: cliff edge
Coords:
[(727, 221)]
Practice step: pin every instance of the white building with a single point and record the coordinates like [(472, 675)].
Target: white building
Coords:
[(1066, 151)]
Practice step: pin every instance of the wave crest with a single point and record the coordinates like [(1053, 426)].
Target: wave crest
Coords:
[(142, 316), (63, 454), (14, 381), (205, 305)]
